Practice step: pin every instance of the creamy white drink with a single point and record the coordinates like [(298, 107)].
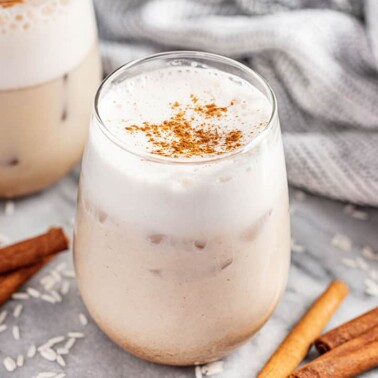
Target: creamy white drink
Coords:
[(182, 232), (49, 71)]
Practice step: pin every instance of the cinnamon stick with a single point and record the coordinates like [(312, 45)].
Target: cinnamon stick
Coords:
[(10, 282), (296, 345), (31, 251), (347, 331), (345, 361)]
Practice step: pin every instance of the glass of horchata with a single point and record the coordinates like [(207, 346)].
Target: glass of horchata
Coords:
[(49, 72), (182, 230)]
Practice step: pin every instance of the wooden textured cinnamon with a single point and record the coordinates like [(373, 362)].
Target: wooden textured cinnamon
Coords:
[(10, 282), (347, 331), (296, 345), (345, 361), (31, 251)]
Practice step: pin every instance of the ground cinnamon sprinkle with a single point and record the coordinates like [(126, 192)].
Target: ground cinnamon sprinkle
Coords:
[(181, 136), (10, 3)]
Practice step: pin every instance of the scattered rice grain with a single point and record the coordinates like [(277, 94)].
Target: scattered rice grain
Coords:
[(69, 344), (198, 372), (20, 360), (48, 298), (9, 364), (3, 327), (48, 354), (75, 335), (33, 292), (360, 215), (20, 296), (65, 287), (46, 374), (60, 360), (83, 319), (369, 253), (212, 368), (68, 273), (296, 247), (62, 350), (60, 267), (3, 315), (9, 208), (56, 295), (17, 310), (31, 351), (342, 242), (16, 333)]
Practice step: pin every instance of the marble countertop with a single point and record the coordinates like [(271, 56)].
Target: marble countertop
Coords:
[(315, 221)]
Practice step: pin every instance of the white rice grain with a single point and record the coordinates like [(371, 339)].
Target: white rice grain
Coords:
[(33, 292), (198, 372), (342, 242), (360, 215), (56, 275), (65, 288), (212, 368), (3, 316), (46, 374), (31, 351), (61, 266), (62, 351), (83, 319), (20, 360), (20, 296), (9, 364), (75, 335), (60, 360), (60, 375), (68, 273), (9, 208), (3, 327), (48, 354), (17, 310), (69, 344), (48, 298), (56, 295), (16, 333)]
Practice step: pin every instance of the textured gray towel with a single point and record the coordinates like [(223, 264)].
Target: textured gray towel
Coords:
[(320, 56)]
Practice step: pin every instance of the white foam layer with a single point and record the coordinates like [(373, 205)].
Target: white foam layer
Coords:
[(185, 199), (150, 97), (41, 40)]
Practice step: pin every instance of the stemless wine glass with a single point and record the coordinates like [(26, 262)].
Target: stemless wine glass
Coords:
[(180, 261), (49, 72)]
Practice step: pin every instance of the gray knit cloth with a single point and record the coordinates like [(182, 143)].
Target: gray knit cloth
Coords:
[(320, 57)]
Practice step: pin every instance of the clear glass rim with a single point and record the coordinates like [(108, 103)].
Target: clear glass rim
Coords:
[(185, 55)]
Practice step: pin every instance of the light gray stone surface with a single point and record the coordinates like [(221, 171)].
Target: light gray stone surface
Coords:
[(314, 223)]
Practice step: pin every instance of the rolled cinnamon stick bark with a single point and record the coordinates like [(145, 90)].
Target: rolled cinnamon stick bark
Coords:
[(296, 345), (345, 361), (31, 251), (10, 282), (347, 331)]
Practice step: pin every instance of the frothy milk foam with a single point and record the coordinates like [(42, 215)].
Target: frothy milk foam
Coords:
[(41, 40), (50, 69), (181, 261)]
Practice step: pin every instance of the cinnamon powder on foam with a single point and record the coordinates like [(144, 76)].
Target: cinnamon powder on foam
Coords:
[(181, 136)]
